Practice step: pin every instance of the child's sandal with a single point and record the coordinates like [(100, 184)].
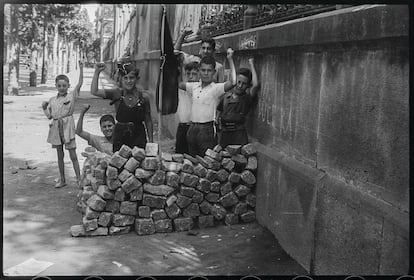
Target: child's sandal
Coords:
[(60, 185)]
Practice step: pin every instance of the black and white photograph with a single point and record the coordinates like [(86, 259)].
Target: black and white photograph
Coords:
[(153, 140)]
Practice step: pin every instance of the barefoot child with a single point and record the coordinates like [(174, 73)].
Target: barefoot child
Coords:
[(62, 128)]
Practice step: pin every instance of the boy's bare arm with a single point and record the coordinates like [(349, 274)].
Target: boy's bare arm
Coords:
[(99, 67), (79, 126), (183, 33), (255, 81), (80, 82), (230, 84), (148, 125), (46, 109)]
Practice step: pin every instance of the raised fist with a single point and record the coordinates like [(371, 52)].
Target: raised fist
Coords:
[(230, 53), (100, 66), (187, 30), (86, 108), (80, 63), (251, 60)]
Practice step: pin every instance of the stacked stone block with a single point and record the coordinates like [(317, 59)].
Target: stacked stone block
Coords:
[(136, 189)]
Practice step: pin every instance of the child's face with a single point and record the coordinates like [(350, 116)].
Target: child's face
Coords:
[(107, 128), (192, 75), (62, 86), (206, 50), (242, 84), (206, 73), (129, 80)]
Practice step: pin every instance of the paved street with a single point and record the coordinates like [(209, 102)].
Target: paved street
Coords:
[(37, 217)]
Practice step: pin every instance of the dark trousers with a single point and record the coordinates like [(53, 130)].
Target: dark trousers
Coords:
[(181, 144), (233, 137), (200, 137), (130, 135)]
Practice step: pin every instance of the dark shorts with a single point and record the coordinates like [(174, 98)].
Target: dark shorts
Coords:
[(200, 137), (181, 143), (131, 136), (236, 137)]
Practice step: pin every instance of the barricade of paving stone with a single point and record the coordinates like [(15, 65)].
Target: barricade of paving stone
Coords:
[(136, 189)]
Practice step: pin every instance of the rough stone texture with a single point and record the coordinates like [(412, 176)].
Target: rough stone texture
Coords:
[(178, 158), (172, 179), (183, 224), (138, 153), (162, 190), (124, 175), (187, 191), (211, 175), (96, 203), (204, 186), (136, 195), (241, 190), (144, 226), (120, 220), (191, 211), (158, 214), (248, 217), (214, 155), (198, 196), (173, 211), (119, 195), (77, 231), (183, 201), (226, 188), (144, 211), (104, 192), (200, 170), (117, 161), (143, 174), (225, 154), (239, 160), (119, 230), (251, 163), (163, 226), (217, 148), (228, 200), (113, 184), (151, 149), (91, 214), (233, 149), (158, 178), (166, 156), (240, 208), (248, 177), (89, 225), (205, 207), (251, 200), (222, 175), (125, 151), (190, 158), (150, 163), (215, 186), (218, 212), (105, 219), (234, 177), (231, 219), (131, 184), (172, 166), (170, 200), (228, 164), (99, 173), (153, 201), (202, 161), (131, 164), (112, 206), (212, 197), (212, 164), (248, 150), (111, 172), (188, 166), (128, 208), (189, 180), (205, 221)]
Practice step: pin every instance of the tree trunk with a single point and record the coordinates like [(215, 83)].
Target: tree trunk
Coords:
[(44, 57), (34, 53), (56, 51), (13, 54)]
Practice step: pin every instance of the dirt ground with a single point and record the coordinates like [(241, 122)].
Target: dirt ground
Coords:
[(37, 217)]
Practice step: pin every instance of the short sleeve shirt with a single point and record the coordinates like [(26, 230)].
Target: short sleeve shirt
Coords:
[(204, 100), (236, 108)]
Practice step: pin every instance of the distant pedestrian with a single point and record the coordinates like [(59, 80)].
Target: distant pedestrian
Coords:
[(205, 96), (101, 143), (62, 128), (235, 105), (132, 107)]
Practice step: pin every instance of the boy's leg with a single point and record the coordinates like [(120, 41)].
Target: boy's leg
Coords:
[(61, 164), (206, 139), (74, 158), (192, 140)]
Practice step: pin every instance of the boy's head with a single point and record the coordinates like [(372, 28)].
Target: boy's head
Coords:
[(244, 79), (128, 75), (191, 71), (208, 47), (107, 123), (62, 83), (207, 69)]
